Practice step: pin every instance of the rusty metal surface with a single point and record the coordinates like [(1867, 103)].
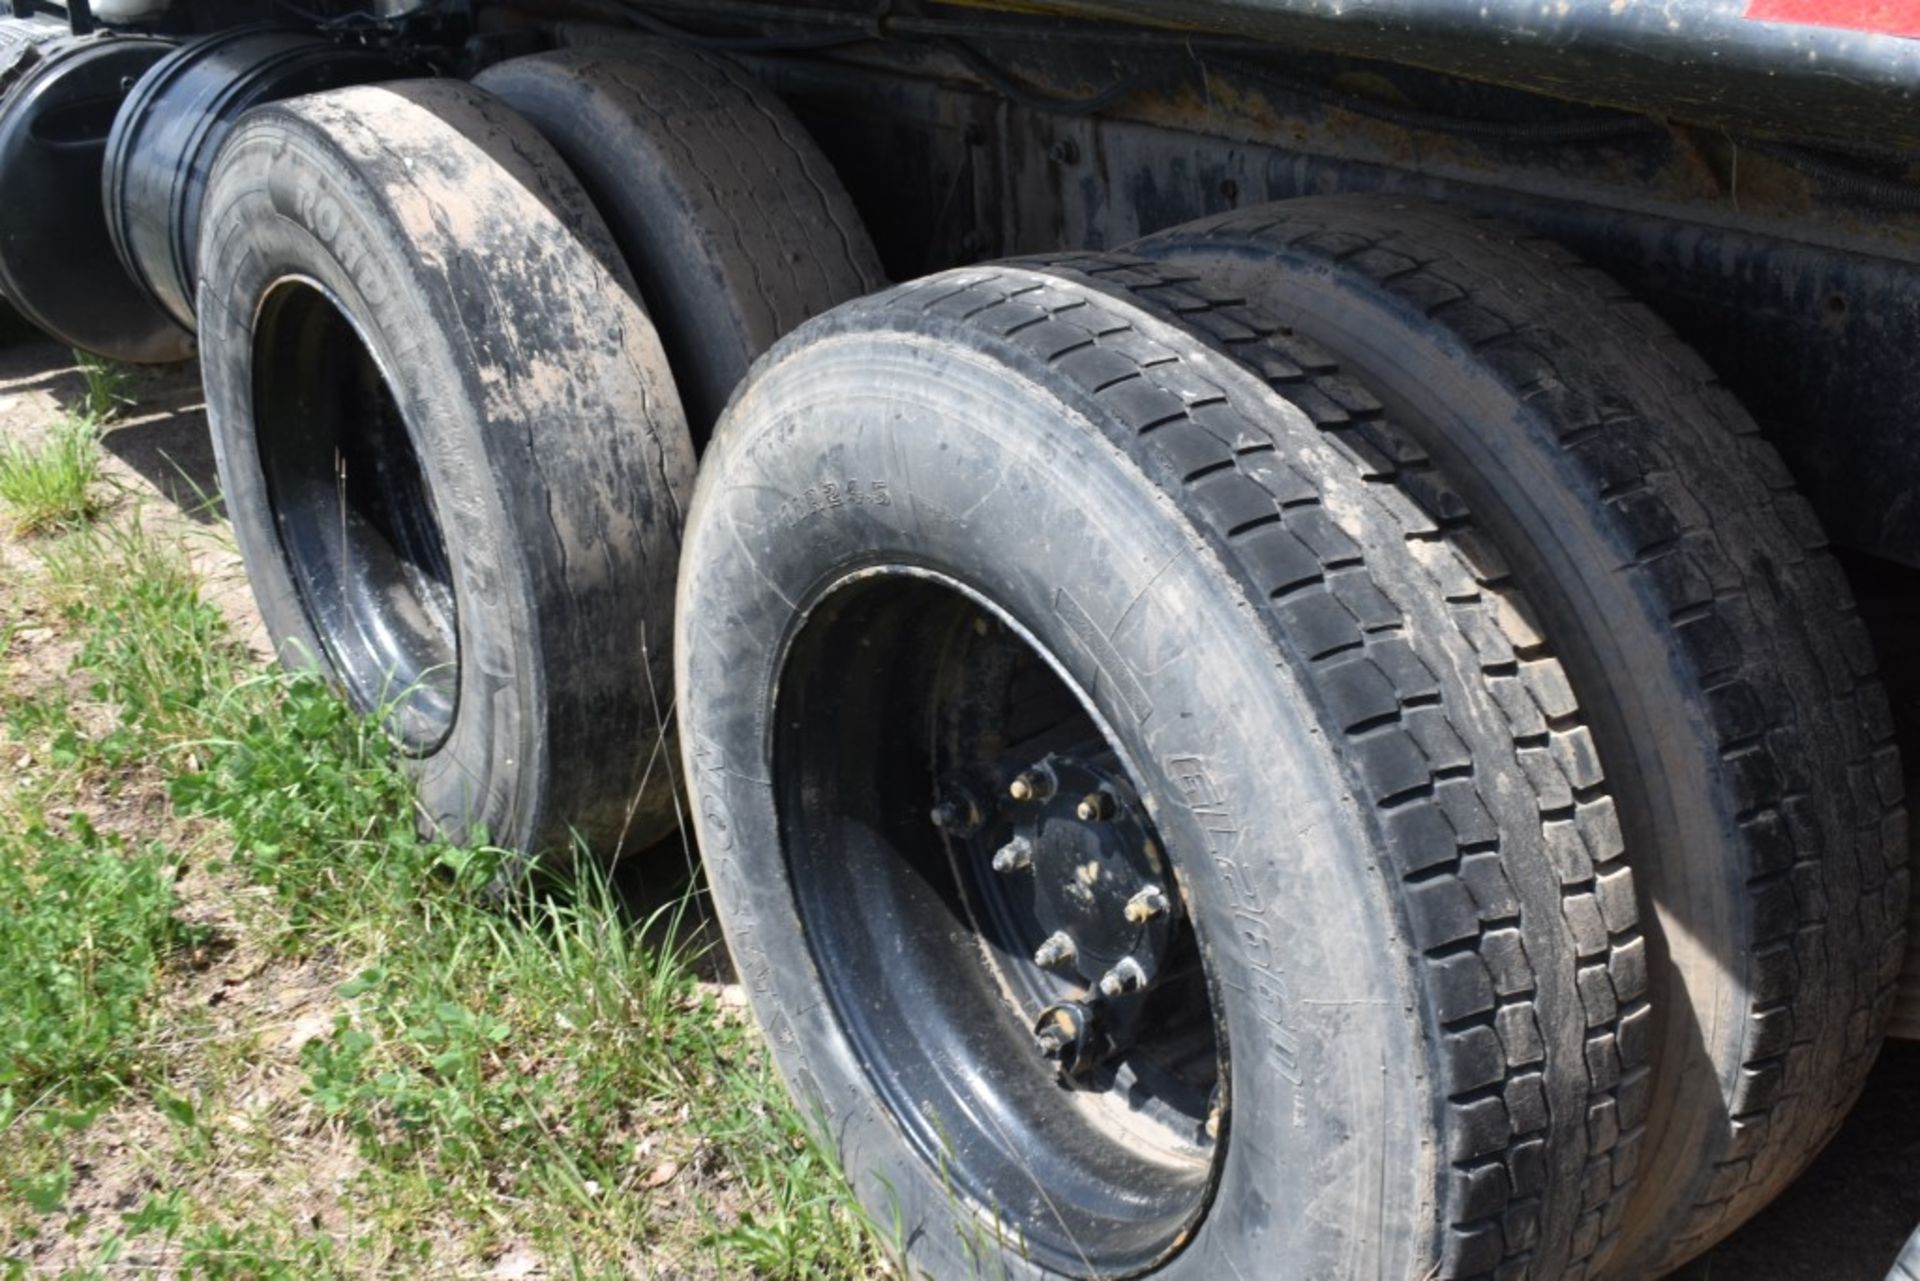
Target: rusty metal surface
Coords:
[(1805, 299), (1698, 60)]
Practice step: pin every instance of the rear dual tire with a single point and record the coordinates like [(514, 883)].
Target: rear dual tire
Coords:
[(449, 435), (1708, 633), (453, 454), (1428, 1063), (731, 220)]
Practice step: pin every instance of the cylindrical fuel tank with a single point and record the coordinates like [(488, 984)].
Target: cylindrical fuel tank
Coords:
[(167, 135), (57, 264), (23, 42)]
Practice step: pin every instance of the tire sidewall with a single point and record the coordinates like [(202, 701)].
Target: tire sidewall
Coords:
[(1330, 1166), (284, 207)]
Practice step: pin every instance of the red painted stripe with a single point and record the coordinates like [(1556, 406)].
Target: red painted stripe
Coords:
[(1886, 17)]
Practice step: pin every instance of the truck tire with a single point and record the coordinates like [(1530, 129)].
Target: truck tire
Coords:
[(452, 452), (730, 218), (1008, 539), (1708, 633)]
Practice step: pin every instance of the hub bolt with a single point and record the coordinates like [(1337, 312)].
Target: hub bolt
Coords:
[(1032, 785), (1015, 856), (1067, 1037), (1095, 807), (1057, 949), (1146, 905), (956, 814), (1124, 979)]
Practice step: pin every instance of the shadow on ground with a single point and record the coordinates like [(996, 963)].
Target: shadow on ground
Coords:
[(1846, 1217)]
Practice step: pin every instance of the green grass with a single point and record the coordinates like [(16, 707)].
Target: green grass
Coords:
[(53, 485), (86, 925), (105, 384), (526, 1070)]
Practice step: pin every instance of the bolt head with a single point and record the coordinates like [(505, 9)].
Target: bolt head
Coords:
[(1095, 807), (1124, 979), (1065, 1037), (1057, 949), (1147, 905), (1015, 856), (1032, 785), (955, 813)]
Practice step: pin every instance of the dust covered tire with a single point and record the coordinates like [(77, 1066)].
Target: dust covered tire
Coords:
[(1416, 1072), (733, 222), (1710, 637), (452, 452)]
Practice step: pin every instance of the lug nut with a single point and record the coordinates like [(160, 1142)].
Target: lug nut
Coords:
[(1067, 1036), (1146, 905), (1015, 856), (1095, 807), (1124, 979), (1057, 949), (1032, 785), (956, 814)]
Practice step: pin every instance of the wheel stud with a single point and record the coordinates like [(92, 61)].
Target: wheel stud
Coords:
[(955, 814), (1124, 979), (1146, 905), (1067, 1036), (1057, 949), (1095, 807), (1032, 785), (1015, 856)]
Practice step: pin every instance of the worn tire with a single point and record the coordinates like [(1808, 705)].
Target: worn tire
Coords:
[(532, 400), (1709, 635), (1430, 1081), (732, 220)]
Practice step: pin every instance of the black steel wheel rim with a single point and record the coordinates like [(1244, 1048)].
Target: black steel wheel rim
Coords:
[(995, 923), (355, 514)]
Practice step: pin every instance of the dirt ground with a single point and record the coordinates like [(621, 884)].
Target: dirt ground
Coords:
[(1843, 1221)]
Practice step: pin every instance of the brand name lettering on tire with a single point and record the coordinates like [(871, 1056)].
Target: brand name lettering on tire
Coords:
[(833, 495), (1208, 804)]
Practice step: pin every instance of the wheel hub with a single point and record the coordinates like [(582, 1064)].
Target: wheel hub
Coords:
[(1083, 864), (1080, 879)]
